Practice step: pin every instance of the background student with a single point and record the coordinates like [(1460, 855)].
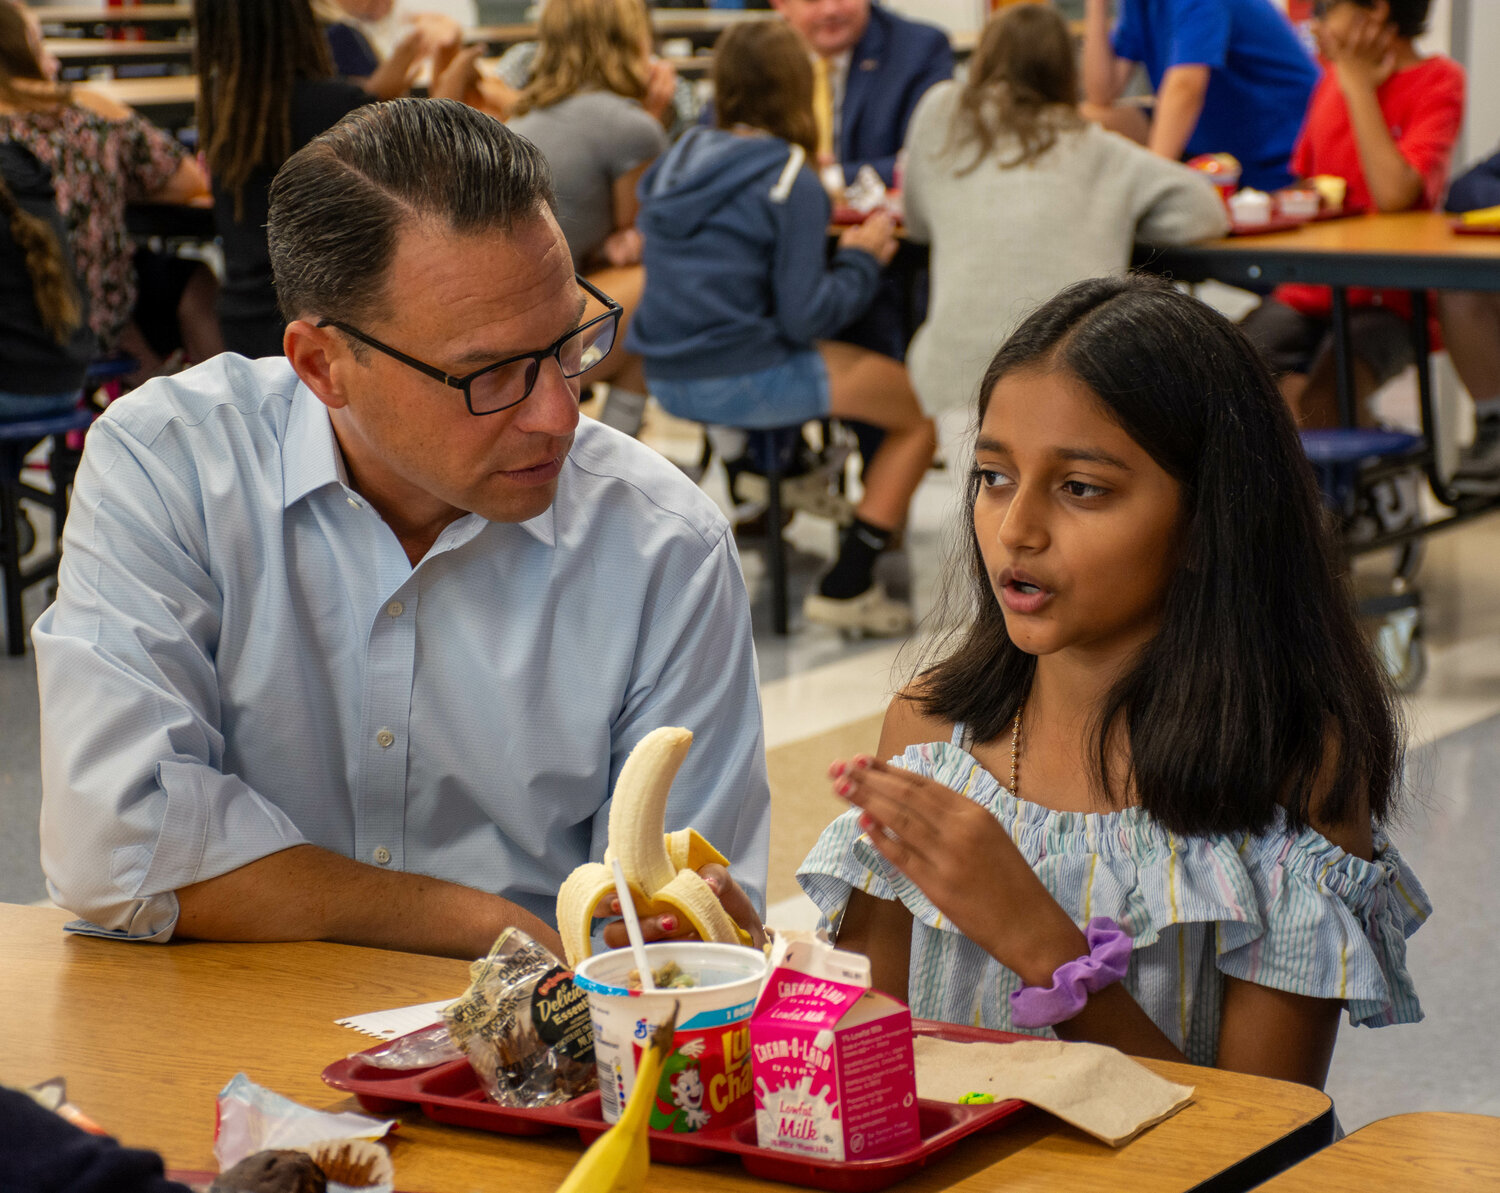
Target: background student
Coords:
[(1126, 724), (739, 301), (1074, 198), (1230, 76), (1471, 331), (266, 88), (431, 38), (101, 156), (586, 108), (1385, 120)]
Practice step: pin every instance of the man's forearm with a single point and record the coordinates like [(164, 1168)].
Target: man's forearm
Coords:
[(1101, 69), (1394, 185), (308, 893), (1179, 103)]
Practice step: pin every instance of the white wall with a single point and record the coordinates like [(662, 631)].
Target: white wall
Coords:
[(956, 16)]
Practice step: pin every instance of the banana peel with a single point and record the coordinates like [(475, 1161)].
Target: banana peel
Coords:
[(618, 1160), (661, 869)]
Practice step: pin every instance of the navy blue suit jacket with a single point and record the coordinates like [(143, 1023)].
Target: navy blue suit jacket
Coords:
[(892, 66)]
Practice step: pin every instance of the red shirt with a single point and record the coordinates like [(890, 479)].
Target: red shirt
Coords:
[(1423, 107)]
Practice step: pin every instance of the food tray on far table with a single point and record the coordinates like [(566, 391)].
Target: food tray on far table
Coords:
[(845, 216), (450, 1093), (1464, 229), (1282, 223)]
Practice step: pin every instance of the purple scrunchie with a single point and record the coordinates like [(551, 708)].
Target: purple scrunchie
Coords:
[(1107, 960)]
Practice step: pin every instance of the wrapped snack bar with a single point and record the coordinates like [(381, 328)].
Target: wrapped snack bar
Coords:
[(524, 1026)]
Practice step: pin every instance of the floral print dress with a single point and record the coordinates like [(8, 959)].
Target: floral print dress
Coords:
[(98, 165)]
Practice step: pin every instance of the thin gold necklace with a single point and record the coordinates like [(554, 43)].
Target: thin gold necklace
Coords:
[(1015, 752)]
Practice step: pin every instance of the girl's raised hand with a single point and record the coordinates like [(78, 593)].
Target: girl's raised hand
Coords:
[(960, 857)]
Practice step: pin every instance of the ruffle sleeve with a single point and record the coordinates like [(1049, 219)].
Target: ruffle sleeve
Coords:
[(1287, 910), (1332, 925)]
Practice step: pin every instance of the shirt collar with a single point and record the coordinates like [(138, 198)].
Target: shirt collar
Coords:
[(311, 459), (310, 456)]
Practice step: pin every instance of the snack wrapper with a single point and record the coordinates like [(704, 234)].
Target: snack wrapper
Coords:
[(524, 1025), (255, 1119)]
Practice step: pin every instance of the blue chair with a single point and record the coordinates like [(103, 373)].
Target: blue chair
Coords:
[(17, 439)]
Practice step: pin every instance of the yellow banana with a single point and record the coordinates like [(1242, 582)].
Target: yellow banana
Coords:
[(661, 869), (617, 1161), (1485, 217)]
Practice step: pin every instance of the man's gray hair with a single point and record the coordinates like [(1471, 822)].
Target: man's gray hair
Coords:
[(339, 202)]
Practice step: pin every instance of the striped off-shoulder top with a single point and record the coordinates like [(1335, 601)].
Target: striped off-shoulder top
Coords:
[(1284, 909)]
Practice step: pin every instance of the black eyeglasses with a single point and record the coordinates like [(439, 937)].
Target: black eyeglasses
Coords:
[(509, 382)]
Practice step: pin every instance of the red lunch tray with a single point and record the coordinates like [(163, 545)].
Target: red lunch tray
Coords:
[(1283, 223), (1464, 229), (450, 1093)]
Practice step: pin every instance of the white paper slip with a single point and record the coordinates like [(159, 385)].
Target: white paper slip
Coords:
[(387, 1025)]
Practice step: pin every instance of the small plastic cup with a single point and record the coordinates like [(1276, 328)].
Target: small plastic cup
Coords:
[(705, 1079)]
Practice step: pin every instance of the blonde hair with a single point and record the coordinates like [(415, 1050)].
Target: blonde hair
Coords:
[(588, 45)]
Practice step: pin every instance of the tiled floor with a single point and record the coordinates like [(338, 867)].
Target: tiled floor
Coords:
[(814, 681)]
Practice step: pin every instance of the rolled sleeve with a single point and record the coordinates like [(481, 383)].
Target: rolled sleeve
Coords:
[(133, 803), (697, 669)]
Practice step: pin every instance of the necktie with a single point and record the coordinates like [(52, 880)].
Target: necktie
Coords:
[(823, 108)]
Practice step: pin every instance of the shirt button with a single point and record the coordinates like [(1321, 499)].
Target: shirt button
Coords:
[(353, 501), (382, 855), (386, 739), (395, 608)]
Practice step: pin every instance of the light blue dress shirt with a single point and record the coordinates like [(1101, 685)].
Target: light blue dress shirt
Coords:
[(242, 658)]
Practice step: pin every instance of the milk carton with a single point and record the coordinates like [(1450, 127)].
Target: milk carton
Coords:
[(834, 1076)]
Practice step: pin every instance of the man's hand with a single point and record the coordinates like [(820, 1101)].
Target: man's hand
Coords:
[(1364, 55), (669, 927), (876, 236)]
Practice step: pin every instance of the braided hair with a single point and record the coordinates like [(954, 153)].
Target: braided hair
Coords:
[(250, 53), (51, 274)]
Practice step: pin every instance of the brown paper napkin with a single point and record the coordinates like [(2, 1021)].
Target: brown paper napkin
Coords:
[(1099, 1090)]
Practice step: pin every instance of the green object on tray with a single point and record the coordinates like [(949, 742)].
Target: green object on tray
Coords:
[(974, 1099)]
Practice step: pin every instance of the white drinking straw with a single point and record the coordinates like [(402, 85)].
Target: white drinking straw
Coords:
[(632, 927)]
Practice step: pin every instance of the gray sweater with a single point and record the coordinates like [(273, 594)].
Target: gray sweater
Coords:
[(1005, 240)]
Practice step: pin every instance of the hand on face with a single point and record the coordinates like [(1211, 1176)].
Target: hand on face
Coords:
[(1360, 46), (671, 927)]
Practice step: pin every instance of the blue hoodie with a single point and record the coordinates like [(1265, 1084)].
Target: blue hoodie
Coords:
[(737, 275)]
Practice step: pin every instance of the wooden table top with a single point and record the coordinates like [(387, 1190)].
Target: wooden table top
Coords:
[(147, 1035), (168, 90), (1403, 251), (78, 14), (101, 49), (1414, 1153)]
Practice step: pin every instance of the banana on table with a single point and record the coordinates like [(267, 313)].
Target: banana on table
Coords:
[(1485, 217), (660, 868)]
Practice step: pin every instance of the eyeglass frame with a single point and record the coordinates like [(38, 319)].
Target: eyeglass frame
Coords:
[(613, 312)]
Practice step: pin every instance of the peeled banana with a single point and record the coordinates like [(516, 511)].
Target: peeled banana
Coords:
[(617, 1161), (661, 869)]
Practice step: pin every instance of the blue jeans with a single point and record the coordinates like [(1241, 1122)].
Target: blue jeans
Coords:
[(784, 395), (17, 408)]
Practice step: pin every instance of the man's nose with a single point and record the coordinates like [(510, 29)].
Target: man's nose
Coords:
[(552, 406)]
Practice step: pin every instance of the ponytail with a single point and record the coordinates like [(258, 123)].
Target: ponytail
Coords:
[(51, 275)]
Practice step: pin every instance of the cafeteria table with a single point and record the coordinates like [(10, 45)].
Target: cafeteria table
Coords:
[(1427, 1152), (1416, 251), (146, 1036)]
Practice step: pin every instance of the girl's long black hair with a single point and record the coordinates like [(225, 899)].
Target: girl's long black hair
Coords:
[(1259, 680)]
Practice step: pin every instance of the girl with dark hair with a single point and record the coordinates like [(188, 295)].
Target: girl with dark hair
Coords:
[(1157, 719), (740, 297), (1019, 196), (101, 155), (266, 87)]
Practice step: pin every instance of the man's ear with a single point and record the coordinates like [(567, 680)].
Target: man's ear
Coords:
[(317, 357)]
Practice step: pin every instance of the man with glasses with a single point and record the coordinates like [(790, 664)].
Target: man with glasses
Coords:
[(352, 644)]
